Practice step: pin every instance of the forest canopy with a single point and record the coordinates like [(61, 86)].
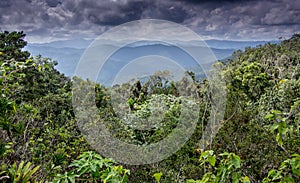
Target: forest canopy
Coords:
[(259, 141)]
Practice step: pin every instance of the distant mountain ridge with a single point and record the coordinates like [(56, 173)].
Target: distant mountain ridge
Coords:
[(68, 53), (73, 43), (229, 44)]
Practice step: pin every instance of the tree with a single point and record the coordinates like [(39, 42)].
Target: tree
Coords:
[(11, 45)]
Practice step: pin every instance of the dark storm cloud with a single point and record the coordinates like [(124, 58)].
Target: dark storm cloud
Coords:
[(247, 19), (213, 1), (171, 11), (240, 19), (112, 13), (5, 3), (53, 3)]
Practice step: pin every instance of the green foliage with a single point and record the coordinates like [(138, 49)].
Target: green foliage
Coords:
[(261, 119), (36, 121), (66, 177), (288, 171), (20, 173), (280, 127), (261, 124), (228, 169), (157, 176), (11, 44), (91, 167)]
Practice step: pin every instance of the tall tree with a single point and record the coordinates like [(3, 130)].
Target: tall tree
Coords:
[(11, 45)]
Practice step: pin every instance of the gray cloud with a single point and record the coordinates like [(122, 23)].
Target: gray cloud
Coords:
[(5, 3), (230, 19), (111, 14), (53, 3)]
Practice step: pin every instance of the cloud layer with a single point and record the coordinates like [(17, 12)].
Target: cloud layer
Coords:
[(45, 20)]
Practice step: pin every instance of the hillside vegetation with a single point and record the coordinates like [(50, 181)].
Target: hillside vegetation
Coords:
[(258, 142)]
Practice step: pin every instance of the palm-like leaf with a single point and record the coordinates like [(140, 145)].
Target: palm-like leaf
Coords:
[(21, 173)]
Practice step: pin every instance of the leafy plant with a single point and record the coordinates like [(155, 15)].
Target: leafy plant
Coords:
[(3, 175), (228, 169), (65, 178), (92, 167), (157, 176), (287, 172), (21, 173)]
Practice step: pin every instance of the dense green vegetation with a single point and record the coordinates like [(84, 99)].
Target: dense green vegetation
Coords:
[(259, 141)]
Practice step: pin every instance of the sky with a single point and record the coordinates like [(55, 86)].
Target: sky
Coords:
[(49, 20)]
